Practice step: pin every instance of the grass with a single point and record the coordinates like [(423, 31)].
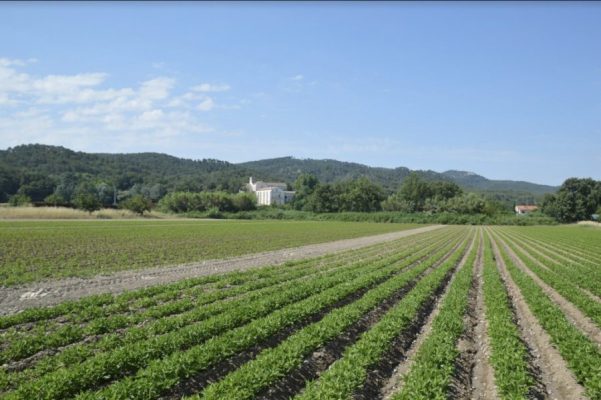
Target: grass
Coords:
[(35, 250), (10, 213)]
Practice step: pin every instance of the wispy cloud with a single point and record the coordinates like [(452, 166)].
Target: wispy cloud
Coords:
[(298, 77), (206, 105), (83, 110), (210, 87)]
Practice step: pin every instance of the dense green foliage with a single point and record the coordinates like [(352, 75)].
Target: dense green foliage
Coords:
[(185, 202), (138, 204), (332, 171), (388, 216), (359, 195), (576, 200), (39, 171), (30, 251)]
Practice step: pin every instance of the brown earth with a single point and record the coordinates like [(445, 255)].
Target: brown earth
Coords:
[(559, 382), (395, 382), (574, 315)]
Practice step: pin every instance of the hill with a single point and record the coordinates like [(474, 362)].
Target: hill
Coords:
[(47, 164), (44, 165), (288, 168)]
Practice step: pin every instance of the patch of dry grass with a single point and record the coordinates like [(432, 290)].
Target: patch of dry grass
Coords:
[(69, 213)]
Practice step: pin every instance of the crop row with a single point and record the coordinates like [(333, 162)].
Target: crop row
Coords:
[(73, 354), (562, 251), (49, 249), (105, 367), (509, 356), (76, 354), (563, 286), (582, 356), (23, 344), (107, 305), (581, 243), (162, 375), (585, 275), (434, 363), (275, 363), (349, 372)]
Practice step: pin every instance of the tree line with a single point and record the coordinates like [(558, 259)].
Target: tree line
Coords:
[(414, 195), (576, 200)]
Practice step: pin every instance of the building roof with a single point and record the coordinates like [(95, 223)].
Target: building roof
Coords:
[(526, 208)]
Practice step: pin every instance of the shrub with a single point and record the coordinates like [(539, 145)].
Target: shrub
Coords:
[(138, 204), (19, 200)]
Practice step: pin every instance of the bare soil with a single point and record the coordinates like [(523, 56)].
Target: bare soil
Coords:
[(48, 293), (574, 315), (553, 372), (474, 376), (380, 375), (287, 385), (395, 381)]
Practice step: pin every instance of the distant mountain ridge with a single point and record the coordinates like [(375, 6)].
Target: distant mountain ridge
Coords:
[(288, 168), (209, 174)]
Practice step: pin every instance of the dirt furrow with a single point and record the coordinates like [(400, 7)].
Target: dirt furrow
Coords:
[(574, 315), (282, 389), (540, 264), (395, 381), (48, 293), (559, 382), (378, 375), (474, 375)]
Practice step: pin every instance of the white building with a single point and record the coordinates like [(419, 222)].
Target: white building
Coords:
[(524, 209), (269, 193)]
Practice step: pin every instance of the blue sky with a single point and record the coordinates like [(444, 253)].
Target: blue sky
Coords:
[(507, 90)]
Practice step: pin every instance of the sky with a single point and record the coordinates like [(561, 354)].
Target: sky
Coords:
[(506, 90)]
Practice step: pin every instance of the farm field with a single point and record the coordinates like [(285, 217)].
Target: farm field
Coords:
[(31, 251), (457, 312)]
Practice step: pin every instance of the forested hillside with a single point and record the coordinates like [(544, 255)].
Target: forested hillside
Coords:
[(330, 171), (38, 169), (41, 168)]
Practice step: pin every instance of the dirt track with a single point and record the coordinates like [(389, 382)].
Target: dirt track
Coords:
[(49, 293)]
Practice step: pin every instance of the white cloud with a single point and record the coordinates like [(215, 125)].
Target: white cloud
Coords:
[(208, 87), (297, 78), (206, 105), (84, 111), (152, 115), (8, 62), (156, 89)]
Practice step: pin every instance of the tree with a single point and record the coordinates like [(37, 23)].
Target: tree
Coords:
[(395, 202), (304, 186), (54, 199), (36, 186), (87, 202), (244, 202), (415, 191), (138, 204), (361, 195), (66, 186), (324, 199), (18, 199), (576, 200), (444, 190), (105, 193)]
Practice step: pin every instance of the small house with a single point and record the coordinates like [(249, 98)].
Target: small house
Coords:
[(525, 209)]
